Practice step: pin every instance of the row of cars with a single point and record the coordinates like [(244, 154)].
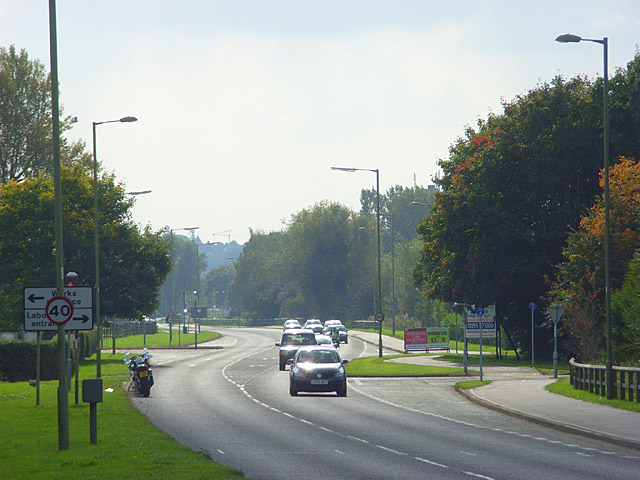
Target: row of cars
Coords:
[(319, 328), (315, 363)]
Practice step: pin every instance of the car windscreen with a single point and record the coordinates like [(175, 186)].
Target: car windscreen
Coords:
[(318, 356), (298, 339)]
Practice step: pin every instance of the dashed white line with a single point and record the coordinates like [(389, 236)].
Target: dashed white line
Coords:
[(477, 475), (468, 453), (435, 464)]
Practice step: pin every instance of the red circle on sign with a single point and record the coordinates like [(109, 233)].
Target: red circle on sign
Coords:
[(59, 310), (379, 317)]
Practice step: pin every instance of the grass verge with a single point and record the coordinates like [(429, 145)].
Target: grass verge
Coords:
[(129, 446), (163, 339), (469, 384), (563, 387), (377, 367)]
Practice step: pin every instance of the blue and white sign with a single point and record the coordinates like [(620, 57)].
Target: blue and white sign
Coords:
[(533, 306)]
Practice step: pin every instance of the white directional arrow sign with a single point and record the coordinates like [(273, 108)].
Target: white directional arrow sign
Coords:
[(36, 313)]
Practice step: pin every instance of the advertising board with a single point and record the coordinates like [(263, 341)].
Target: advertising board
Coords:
[(429, 338)]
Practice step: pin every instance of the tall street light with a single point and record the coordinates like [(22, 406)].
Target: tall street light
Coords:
[(185, 229), (569, 38), (97, 237), (377, 172)]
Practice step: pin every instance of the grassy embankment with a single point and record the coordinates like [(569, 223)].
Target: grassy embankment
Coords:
[(129, 446)]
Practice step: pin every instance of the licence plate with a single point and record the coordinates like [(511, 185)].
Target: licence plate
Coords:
[(143, 373), (319, 382)]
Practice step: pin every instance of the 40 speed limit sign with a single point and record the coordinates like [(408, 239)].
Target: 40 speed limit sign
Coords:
[(59, 310)]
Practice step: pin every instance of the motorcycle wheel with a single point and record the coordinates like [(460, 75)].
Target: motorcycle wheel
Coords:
[(144, 387)]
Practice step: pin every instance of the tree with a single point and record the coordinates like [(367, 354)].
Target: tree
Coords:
[(326, 254), (25, 119), (579, 281), (510, 191), (257, 284), (217, 285), (133, 264)]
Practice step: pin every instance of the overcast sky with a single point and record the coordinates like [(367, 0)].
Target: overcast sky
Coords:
[(244, 106)]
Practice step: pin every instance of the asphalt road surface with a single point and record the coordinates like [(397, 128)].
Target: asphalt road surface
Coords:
[(233, 404)]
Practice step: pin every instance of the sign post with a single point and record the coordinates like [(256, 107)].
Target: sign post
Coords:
[(532, 307), (555, 312)]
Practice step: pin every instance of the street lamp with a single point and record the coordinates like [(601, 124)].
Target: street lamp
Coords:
[(569, 38), (377, 172), (171, 230), (97, 237), (393, 273), (142, 192)]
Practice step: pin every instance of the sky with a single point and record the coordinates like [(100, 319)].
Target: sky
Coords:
[(244, 106)]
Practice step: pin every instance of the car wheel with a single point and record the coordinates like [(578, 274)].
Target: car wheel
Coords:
[(293, 392), (342, 392)]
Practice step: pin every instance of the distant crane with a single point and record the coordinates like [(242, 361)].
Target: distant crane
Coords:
[(225, 232)]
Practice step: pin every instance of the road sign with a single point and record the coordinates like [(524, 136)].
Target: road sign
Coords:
[(533, 306), (555, 312), (36, 311), (379, 317), (472, 327), (59, 310)]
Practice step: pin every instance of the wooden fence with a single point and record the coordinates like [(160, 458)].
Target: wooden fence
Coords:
[(592, 378)]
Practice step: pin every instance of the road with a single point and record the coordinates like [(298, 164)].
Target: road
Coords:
[(233, 405)]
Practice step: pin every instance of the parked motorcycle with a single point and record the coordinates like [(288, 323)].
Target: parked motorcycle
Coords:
[(140, 372)]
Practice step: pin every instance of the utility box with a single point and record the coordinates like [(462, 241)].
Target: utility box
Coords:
[(92, 390)]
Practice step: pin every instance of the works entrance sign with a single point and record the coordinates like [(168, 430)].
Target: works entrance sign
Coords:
[(44, 310)]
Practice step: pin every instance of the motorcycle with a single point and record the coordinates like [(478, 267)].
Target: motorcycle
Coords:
[(140, 372), (335, 340)]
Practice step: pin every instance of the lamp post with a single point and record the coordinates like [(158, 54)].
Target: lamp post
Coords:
[(377, 172), (171, 230), (569, 38), (393, 273), (197, 262), (97, 237)]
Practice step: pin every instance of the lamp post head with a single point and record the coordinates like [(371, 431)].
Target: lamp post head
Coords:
[(568, 38), (344, 169), (128, 119)]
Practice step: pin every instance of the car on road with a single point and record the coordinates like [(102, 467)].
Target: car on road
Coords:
[(291, 323), (317, 369), (314, 324), (323, 340), (292, 340)]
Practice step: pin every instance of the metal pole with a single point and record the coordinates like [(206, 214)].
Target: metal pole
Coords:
[(63, 396), (533, 357), (379, 269), (555, 349), (393, 276), (96, 245), (607, 225), (465, 354)]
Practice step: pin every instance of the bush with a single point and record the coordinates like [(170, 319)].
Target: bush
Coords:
[(18, 360)]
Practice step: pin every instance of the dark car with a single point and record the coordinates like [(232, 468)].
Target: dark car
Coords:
[(291, 341), (317, 369)]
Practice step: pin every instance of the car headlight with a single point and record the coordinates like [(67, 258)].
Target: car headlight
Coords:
[(297, 372), (339, 373)]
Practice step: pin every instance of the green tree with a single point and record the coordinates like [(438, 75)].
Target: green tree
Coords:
[(257, 288), (326, 254), (25, 119), (133, 264), (580, 278), (217, 285), (510, 192)]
